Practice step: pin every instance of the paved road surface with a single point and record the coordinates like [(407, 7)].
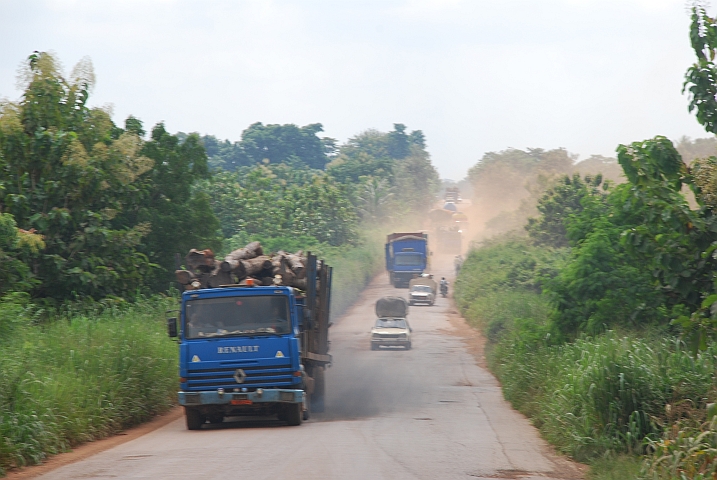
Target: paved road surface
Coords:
[(427, 413)]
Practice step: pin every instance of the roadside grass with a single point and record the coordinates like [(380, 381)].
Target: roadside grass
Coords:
[(606, 400), (81, 377), (622, 467)]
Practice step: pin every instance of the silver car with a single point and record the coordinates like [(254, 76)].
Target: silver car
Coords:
[(391, 332), (421, 295)]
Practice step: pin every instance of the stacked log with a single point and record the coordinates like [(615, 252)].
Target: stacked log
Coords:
[(203, 270)]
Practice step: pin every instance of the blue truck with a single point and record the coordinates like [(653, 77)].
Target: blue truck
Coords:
[(254, 350), (406, 257)]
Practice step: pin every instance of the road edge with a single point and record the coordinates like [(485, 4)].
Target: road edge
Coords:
[(89, 449)]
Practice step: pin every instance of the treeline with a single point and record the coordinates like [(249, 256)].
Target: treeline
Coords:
[(90, 209), (601, 315)]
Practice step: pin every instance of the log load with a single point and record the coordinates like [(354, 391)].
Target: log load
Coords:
[(203, 270)]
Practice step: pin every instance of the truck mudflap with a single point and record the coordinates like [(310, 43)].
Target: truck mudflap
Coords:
[(196, 399)]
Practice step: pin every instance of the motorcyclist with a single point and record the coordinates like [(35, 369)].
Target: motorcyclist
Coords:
[(444, 286)]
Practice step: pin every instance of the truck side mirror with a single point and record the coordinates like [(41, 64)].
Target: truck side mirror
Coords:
[(172, 327)]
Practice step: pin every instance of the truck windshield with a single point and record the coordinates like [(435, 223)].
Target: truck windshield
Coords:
[(409, 259), (422, 288), (227, 316)]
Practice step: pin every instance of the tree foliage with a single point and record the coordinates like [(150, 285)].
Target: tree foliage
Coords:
[(556, 207), (102, 198), (287, 143), (266, 202), (391, 169)]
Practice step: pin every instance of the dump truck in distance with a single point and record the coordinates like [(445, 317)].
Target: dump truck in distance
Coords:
[(406, 256), (254, 349)]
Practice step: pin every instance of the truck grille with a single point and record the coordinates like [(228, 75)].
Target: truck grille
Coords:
[(277, 376)]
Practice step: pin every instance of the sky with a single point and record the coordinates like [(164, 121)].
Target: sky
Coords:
[(474, 75)]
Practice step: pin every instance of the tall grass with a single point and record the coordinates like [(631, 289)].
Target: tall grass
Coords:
[(597, 397), (81, 377), (604, 395)]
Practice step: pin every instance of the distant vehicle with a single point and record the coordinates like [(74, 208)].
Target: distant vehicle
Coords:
[(421, 294), (391, 328), (425, 280), (459, 217), (406, 256), (452, 195), (450, 206)]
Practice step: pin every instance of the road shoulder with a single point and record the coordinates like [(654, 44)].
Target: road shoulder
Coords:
[(89, 449)]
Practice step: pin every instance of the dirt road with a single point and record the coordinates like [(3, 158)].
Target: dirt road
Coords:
[(427, 413)]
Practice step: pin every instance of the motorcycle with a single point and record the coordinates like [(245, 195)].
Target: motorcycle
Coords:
[(444, 290)]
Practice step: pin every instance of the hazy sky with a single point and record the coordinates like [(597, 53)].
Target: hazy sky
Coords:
[(474, 75)]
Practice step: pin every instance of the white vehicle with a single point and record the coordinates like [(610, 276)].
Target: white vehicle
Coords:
[(391, 332), (391, 328), (421, 294)]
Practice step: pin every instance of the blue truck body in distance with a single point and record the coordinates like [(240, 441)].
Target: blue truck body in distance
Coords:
[(254, 350), (406, 257)]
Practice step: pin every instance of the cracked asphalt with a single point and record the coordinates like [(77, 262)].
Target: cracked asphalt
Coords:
[(428, 413)]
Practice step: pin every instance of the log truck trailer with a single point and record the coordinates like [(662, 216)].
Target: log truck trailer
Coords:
[(254, 350)]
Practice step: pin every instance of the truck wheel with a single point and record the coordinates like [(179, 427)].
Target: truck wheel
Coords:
[(194, 418), (374, 346), (294, 414), (408, 346), (317, 398)]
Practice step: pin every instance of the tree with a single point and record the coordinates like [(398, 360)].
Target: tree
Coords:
[(269, 202), (65, 171), (279, 143), (180, 219), (396, 159), (557, 205), (15, 245)]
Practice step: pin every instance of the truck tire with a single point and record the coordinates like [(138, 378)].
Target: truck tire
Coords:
[(317, 398), (374, 346), (294, 414), (408, 346), (194, 418)]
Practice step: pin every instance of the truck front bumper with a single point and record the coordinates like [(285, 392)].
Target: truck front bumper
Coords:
[(213, 397)]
